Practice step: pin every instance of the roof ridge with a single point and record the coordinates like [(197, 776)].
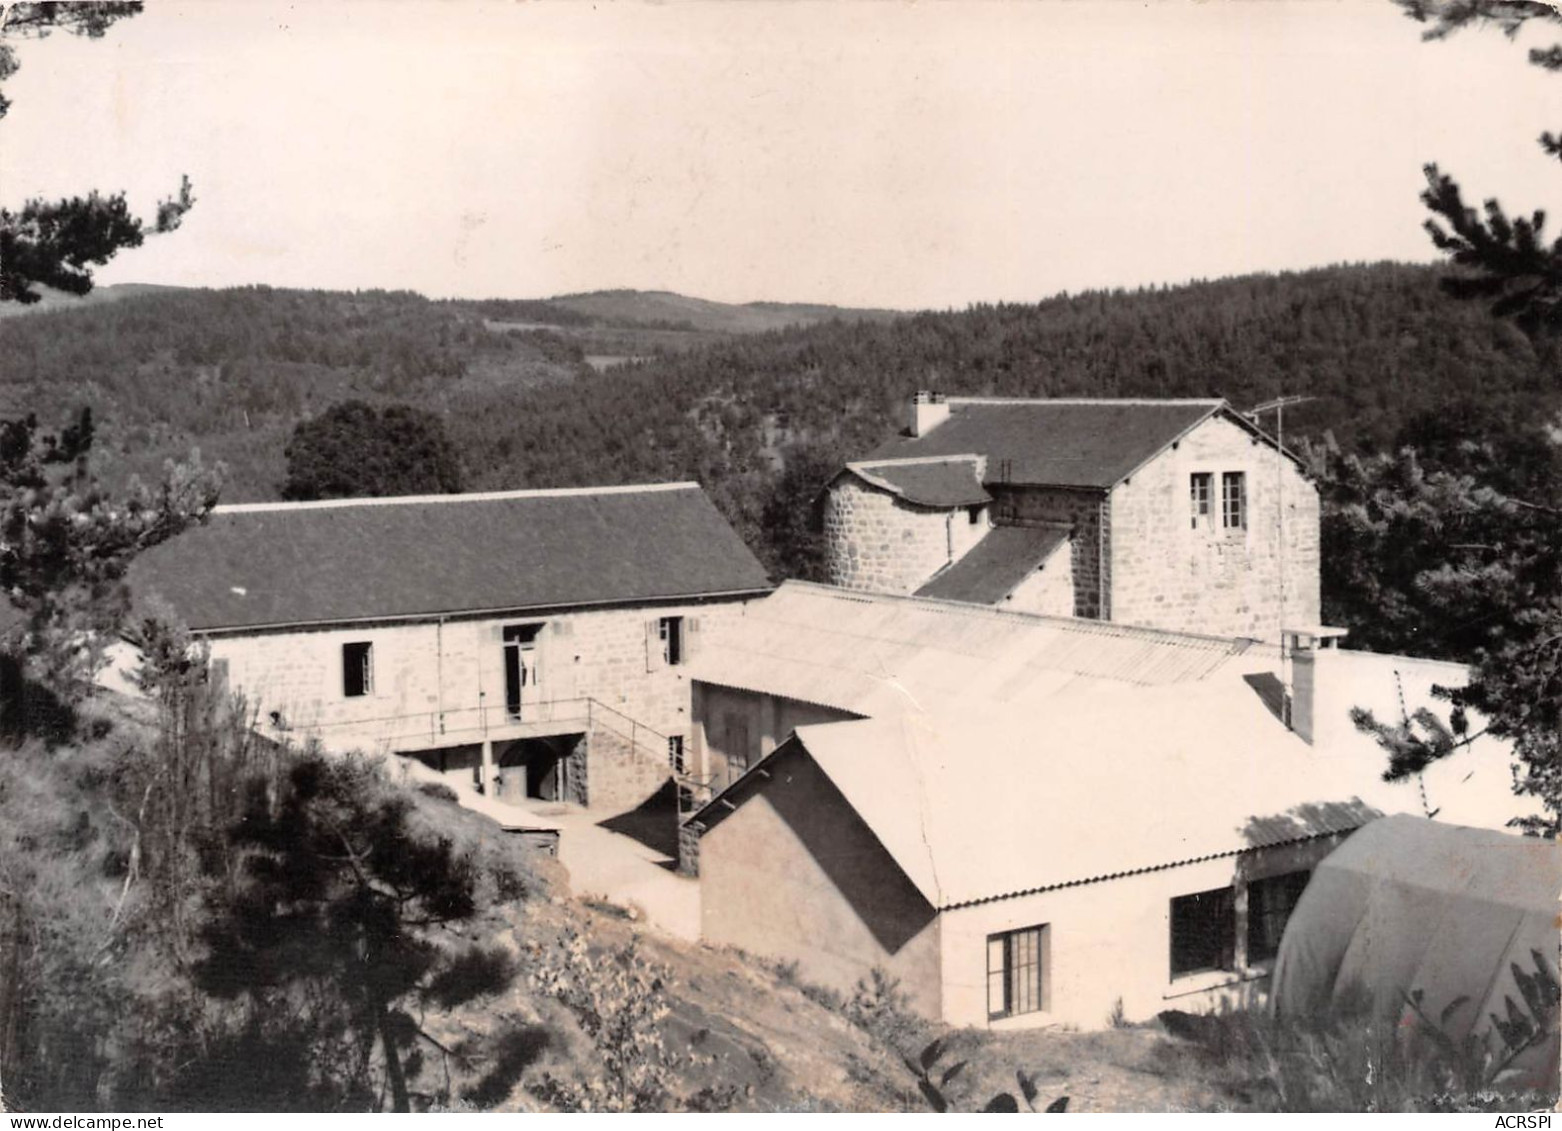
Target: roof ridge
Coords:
[(472, 497), (1150, 401), (963, 457), (1237, 644)]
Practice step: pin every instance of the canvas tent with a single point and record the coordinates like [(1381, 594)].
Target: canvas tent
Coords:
[(1409, 904)]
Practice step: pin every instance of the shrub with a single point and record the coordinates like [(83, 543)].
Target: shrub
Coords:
[(879, 1007), (1349, 1059), (619, 1001), (438, 790)]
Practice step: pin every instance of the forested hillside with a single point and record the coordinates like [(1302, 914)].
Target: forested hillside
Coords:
[(759, 418)]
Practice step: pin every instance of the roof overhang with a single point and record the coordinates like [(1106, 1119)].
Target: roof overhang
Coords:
[(437, 617)]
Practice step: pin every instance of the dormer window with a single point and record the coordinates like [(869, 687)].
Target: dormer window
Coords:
[(1201, 494)]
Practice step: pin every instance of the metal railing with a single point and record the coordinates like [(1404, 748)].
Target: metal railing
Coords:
[(413, 730), (416, 730)]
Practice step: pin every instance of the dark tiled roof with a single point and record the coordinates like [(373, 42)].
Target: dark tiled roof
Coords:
[(1057, 443), (996, 565), (932, 483), (312, 563)]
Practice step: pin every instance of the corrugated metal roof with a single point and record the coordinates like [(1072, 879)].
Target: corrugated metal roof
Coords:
[(362, 559), (820, 644), (996, 565), (930, 483), (1096, 778), (1062, 443), (976, 807)]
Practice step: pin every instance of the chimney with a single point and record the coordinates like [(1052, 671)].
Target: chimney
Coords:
[(928, 411), (1305, 711)]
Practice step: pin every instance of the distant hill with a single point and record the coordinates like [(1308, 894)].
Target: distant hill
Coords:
[(51, 299), (663, 308), (612, 327), (759, 417)]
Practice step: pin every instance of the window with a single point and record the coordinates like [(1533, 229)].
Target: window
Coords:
[(1017, 972), (1201, 491), (1203, 932), (669, 631), (521, 669), (1270, 902), (675, 753), (735, 742), (1233, 500), (357, 669), (977, 514)]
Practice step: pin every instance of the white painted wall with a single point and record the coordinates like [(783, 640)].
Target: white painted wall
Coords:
[(1108, 940)]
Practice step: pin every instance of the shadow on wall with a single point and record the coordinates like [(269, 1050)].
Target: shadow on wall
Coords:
[(864, 874)]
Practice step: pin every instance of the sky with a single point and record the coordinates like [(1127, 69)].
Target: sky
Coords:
[(866, 152)]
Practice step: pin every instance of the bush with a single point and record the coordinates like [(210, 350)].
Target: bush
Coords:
[(1351, 1060), (438, 790), (619, 1001), (880, 1008)]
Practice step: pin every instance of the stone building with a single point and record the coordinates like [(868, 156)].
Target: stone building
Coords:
[(537, 640), (1177, 514)]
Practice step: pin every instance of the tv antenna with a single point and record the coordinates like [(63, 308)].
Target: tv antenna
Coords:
[(1278, 407)]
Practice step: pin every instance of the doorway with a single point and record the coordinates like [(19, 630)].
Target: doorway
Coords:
[(522, 673), (535, 769)]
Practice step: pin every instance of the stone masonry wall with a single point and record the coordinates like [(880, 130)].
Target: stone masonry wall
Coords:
[(1167, 574), (876, 541), (437, 685), (1079, 509), (619, 776)]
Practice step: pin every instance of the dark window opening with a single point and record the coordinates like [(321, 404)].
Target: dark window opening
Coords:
[(1203, 932), (520, 663), (357, 669), (977, 514), (669, 631), (1016, 972), (1270, 902), (1201, 494), (735, 743), (675, 753), (1233, 500)]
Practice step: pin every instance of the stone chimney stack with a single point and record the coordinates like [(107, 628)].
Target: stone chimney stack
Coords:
[(928, 411), (1306, 711)]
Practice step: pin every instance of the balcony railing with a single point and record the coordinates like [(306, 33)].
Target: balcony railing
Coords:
[(426, 730)]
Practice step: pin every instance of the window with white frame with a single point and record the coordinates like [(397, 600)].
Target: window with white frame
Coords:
[(669, 632), (675, 753), (1201, 490), (1017, 972), (1233, 500)]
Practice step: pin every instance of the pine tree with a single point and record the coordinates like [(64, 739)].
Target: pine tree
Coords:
[(339, 901), (1505, 259), (58, 243), (66, 540)]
